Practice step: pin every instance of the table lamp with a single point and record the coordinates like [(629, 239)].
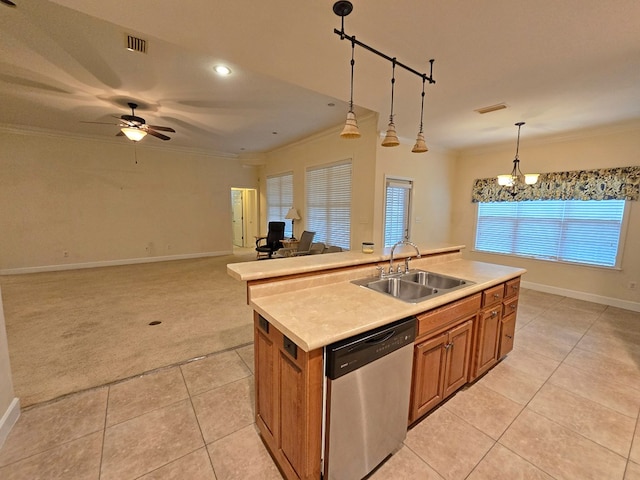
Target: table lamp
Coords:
[(292, 215)]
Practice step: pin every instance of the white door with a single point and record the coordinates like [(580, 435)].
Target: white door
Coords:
[(237, 217)]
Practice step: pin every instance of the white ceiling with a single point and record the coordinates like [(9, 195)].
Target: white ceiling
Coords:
[(560, 66)]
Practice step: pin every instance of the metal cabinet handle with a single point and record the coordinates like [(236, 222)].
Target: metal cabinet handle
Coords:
[(494, 313), (508, 336), (496, 295)]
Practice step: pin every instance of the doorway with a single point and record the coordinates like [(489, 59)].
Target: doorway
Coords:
[(244, 216)]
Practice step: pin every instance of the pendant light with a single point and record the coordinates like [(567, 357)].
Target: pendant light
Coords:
[(421, 145), (391, 138), (516, 177), (350, 129)]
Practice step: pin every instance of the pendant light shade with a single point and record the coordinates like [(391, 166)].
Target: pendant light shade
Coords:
[(421, 145), (135, 134), (516, 178), (391, 138), (351, 129)]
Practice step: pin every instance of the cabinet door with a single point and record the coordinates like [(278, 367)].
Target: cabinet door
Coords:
[(265, 379), (487, 339), (458, 350), (428, 375), (291, 412), (507, 332)]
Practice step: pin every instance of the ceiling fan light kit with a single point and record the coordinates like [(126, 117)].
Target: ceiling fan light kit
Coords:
[(516, 178), (135, 134), (342, 8)]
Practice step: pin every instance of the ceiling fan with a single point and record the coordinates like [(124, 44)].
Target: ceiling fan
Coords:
[(135, 128)]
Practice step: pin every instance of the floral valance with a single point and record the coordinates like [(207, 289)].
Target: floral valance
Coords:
[(605, 184)]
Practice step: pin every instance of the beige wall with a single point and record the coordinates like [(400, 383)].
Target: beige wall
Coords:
[(6, 384), (91, 199), (588, 150), (327, 148), (432, 174)]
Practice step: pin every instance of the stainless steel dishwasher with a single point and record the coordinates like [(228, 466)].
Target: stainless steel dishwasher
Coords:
[(369, 380)]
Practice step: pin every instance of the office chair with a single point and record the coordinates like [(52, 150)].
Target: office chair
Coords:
[(273, 240)]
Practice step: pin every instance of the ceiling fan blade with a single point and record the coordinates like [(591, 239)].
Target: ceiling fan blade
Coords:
[(162, 129), (157, 134), (99, 123)]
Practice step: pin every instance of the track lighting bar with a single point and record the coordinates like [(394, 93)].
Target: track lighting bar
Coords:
[(344, 36)]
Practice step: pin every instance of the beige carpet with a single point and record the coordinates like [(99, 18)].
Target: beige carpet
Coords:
[(72, 330)]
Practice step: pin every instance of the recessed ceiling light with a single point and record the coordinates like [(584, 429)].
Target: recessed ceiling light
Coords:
[(222, 70), (331, 104), (8, 3)]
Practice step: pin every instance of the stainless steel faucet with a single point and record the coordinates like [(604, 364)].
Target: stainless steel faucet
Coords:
[(406, 260)]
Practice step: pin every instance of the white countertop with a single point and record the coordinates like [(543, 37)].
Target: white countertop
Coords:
[(320, 315), (314, 263)]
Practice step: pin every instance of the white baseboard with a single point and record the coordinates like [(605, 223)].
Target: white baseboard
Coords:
[(589, 297), (9, 419), (110, 263)]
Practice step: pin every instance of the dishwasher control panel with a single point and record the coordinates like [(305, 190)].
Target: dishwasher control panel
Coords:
[(354, 352)]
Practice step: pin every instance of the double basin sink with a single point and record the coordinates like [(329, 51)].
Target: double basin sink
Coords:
[(413, 286)]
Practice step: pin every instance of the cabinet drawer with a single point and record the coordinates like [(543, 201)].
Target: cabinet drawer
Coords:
[(493, 295), (443, 316), (512, 288), (509, 306)]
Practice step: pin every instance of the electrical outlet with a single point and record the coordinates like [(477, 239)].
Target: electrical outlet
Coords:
[(632, 285)]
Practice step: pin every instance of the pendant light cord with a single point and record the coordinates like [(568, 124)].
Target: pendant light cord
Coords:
[(393, 82), (353, 62), (422, 106)]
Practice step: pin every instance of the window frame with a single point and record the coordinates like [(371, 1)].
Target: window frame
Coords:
[(619, 254)]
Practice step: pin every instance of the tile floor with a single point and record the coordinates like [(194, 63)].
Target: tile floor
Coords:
[(563, 405)]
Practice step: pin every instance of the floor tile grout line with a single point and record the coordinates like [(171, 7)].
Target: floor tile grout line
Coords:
[(132, 377), (104, 433)]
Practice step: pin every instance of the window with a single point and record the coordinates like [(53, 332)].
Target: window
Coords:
[(396, 210), (575, 231), (280, 199), (329, 204)]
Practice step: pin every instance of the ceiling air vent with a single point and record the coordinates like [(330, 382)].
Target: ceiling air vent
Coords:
[(491, 108), (135, 44)]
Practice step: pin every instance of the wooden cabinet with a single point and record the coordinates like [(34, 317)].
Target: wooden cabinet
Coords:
[(487, 339), (442, 353), (440, 367), (288, 401)]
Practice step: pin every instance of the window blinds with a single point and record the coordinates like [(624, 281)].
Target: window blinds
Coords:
[(280, 199), (328, 210), (396, 212), (576, 231)]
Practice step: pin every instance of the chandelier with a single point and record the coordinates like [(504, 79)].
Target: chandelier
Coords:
[(516, 178)]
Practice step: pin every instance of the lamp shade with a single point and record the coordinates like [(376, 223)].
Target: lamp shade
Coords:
[(135, 134), (421, 145), (350, 129), (391, 138), (292, 214)]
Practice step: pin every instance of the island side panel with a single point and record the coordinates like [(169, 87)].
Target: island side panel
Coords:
[(288, 401)]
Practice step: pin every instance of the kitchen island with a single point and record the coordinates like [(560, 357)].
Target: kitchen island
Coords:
[(303, 304)]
